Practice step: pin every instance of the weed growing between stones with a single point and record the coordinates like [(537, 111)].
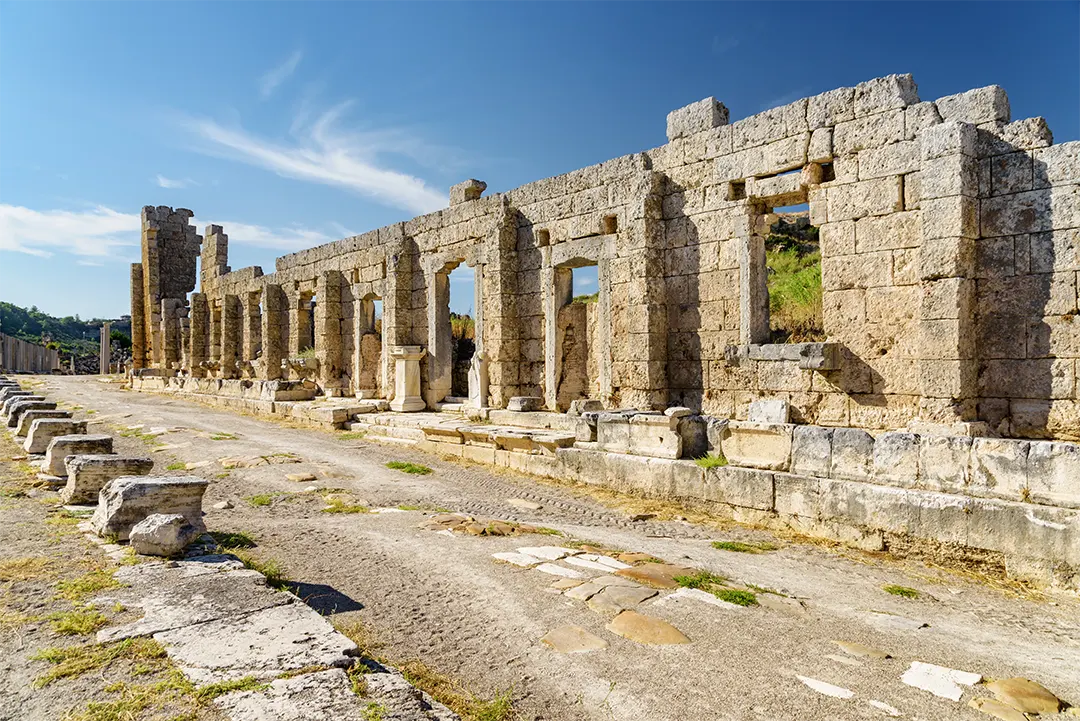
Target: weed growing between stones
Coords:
[(407, 467), (900, 591), (736, 596), (351, 435), (262, 499), (373, 712), (717, 586), (26, 568), (77, 660), (740, 547), (223, 437), (713, 460), (212, 691), (77, 622), (702, 579), (338, 505), (275, 572), (176, 466)]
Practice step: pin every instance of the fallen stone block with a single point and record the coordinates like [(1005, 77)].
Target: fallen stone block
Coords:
[(43, 430), (584, 405), (22, 405), (758, 445), (11, 392), (30, 416), (127, 500), (162, 534), (525, 404), (63, 446)]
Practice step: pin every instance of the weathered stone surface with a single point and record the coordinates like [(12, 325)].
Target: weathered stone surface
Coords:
[(811, 451), (127, 500), (646, 629), (573, 639), (24, 404), (740, 487), (43, 430), (852, 454), (162, 535), (758, 445), (18, 397), (896, 459), (263, 644), (657, 575), (88, 474), (695, 118), (584, 405), (525, 404), (1025, 695), (319, 696), (30, 416), (770, 410), (60, 447), (938, 680), (857, 649), (996, 709), (615, 598)]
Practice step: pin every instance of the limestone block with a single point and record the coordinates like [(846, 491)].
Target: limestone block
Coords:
[(1016, 214), (896, 459), (1011, 173), (695, 437), (811, 451), (949, 175), (585, 428), (739, 487), (1054, 473), (944, 462), (29, 417), (981, 105), (43, 430), (1057, 165), (715, 430), (951, 138), (468, 190), (22, 405), (887, 93), (770, 410), (880, 196), (820, 149), (758, 445), (894, 159), (88, 474), (999, 467), (852, 455), (525, 404), (888, 232), (9, 392), (695, 118), (830, 108), (613, 432), (162, 535), (919, 117), (129, 499), (61, 447), (777, 186), (584, 405), (655, 435)]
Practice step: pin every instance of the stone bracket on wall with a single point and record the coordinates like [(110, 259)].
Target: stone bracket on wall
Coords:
[(809, 356)]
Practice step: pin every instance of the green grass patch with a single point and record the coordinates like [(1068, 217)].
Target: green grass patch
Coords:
[(591, 298), (77, 589), (545, 531), (176, 467), (702, 580), (306, 353), (223, 437), (713, 460), (78, 622), (263, 499), (740, 547), (351, 435), (406, 467), (276, 573), (736, 596), (230, 540), (373, 712), (407, 507), (212, 691), (74, 661), (900, 591), (795, 299), (337, 505), (25, 568)]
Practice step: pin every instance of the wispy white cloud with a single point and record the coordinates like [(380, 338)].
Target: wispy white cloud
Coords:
[(269, 82), (173, 183), (98, 232), (258, 236), (322, 153)]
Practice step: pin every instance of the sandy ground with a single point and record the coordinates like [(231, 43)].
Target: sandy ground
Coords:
[(446, 601)]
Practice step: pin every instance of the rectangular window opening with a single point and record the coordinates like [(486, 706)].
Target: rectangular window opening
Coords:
[(793, 267), (737, 190), (611, 224)]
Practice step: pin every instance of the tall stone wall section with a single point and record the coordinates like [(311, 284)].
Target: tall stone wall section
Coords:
[(950, 242)]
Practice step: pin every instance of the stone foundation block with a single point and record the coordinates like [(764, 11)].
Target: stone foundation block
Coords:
[(811, 451), (12, 398), (695, 437), (30, 416), (656, 436), (525, 404), (770, 410), (944, 462), (22, 405), (613, 432), (88, 474), (43, 430), (852, 455), (896, 459), (8, 392), (63, 446), (162, 535), (585, 428), (1054, 473), (740, 487), (999, 468), (126, 501), (758, 445)]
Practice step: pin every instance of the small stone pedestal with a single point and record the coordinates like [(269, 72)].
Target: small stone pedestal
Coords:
[(407, 378)]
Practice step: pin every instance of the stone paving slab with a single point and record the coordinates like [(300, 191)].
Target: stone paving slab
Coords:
[(263, 644)]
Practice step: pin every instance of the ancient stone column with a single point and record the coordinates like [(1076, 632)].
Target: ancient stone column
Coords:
[(252, 327), (950, 224), (328, 344), (138, 318), (274, 331), (231, 335), (440, 346), (104, 355), (170, 332), (199, 340)]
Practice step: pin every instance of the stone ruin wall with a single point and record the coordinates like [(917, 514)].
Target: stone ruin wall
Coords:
[(950, 241)]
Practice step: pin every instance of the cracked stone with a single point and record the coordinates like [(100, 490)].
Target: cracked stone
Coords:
[(646, 629), (616, 598), (657, 575), (1024, 695), (573, 639), (996, 709)]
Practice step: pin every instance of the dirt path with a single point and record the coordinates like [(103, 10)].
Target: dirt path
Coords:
[(443, 598)]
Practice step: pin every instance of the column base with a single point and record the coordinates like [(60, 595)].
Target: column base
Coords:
[(410, 404)]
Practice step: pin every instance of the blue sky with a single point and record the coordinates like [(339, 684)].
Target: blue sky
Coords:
[(298, 123)]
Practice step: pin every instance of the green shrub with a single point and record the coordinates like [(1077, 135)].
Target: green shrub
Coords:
[(713, 460), (407, 467)]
